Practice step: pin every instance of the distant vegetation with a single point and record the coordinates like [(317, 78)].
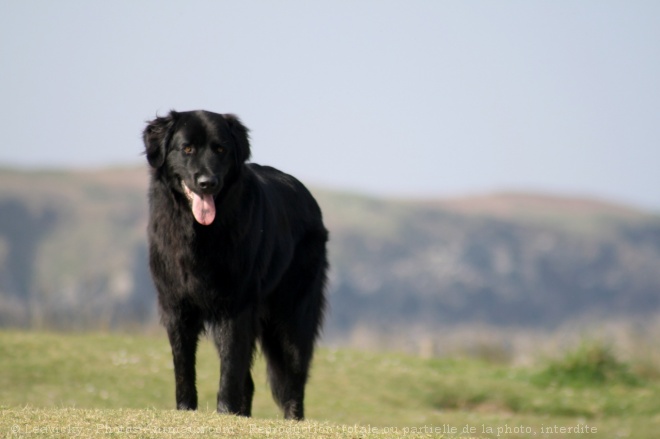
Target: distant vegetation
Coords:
[(73, 255), (590, 364)]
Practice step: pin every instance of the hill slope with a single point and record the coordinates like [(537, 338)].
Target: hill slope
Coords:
[(73, 253)]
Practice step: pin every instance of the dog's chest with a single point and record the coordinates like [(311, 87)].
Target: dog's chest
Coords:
[(194, 261)]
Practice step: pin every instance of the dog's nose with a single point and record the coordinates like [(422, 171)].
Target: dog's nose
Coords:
[(207, 182)]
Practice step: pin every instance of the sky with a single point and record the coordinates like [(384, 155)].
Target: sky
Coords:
[(387, 97)]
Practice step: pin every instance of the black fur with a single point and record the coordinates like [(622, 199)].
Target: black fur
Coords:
[(257, 272)]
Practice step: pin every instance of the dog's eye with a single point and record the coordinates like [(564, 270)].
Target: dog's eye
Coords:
[(188, 149), (221, 149)]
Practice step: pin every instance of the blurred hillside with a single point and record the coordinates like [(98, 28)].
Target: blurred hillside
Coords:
[(73, 255)]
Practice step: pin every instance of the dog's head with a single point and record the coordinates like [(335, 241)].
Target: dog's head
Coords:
[(200, 153)]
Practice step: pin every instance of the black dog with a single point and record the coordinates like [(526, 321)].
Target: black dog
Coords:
[(238, 247)]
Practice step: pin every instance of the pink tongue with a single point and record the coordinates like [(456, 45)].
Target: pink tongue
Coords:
[(203, 208)]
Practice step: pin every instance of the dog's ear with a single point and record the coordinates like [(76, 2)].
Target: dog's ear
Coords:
[(157, 137), (241, 137)]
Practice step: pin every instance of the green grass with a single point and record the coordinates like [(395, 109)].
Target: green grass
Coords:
[(592, 363), (116, 385)]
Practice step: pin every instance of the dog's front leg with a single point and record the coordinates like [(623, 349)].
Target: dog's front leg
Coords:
[(235, 341), (183, 329)]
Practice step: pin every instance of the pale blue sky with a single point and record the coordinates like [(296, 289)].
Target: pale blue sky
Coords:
[(426, 98)]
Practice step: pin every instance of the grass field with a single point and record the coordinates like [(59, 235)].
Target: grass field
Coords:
[(102, 385)]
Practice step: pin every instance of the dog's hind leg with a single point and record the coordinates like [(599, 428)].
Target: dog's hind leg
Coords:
[(292, 325), (288, 366)]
